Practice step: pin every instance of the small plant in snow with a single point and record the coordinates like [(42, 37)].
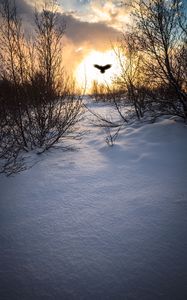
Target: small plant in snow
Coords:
[(111, 137)]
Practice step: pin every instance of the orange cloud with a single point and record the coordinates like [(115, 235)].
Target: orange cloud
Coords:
[(82, 37)]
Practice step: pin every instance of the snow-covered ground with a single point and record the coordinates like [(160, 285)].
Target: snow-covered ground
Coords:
[(99, 222)]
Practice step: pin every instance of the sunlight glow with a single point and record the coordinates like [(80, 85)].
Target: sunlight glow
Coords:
[(86, 73)]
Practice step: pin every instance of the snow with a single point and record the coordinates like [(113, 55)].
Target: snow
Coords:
[(99, 222)]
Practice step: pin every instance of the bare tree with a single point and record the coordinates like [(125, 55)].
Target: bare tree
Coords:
[(39, 103), (14, 66), (162, 37), (49, 32), (131, 81)]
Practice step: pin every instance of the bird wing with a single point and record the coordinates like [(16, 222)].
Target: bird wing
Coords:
[(98, 67), (107, 67)]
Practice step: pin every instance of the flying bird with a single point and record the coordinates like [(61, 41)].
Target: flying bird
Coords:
[(103, 68)]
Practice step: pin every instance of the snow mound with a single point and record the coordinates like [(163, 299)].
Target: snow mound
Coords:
[(99, 222)]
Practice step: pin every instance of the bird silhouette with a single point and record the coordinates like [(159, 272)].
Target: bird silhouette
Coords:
[(103, 68)]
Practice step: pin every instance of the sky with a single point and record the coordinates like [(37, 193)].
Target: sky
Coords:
[(92, 29), (91, 25)]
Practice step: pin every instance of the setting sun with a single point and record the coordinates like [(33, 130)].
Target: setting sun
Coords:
[(86, 73)]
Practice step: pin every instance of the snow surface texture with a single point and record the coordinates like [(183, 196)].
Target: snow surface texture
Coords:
[(100, 222)]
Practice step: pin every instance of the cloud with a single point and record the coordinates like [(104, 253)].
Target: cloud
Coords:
[(82, 37), (113, 13), (97, 34), (25, 11), (22, 6), (83, 33)]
